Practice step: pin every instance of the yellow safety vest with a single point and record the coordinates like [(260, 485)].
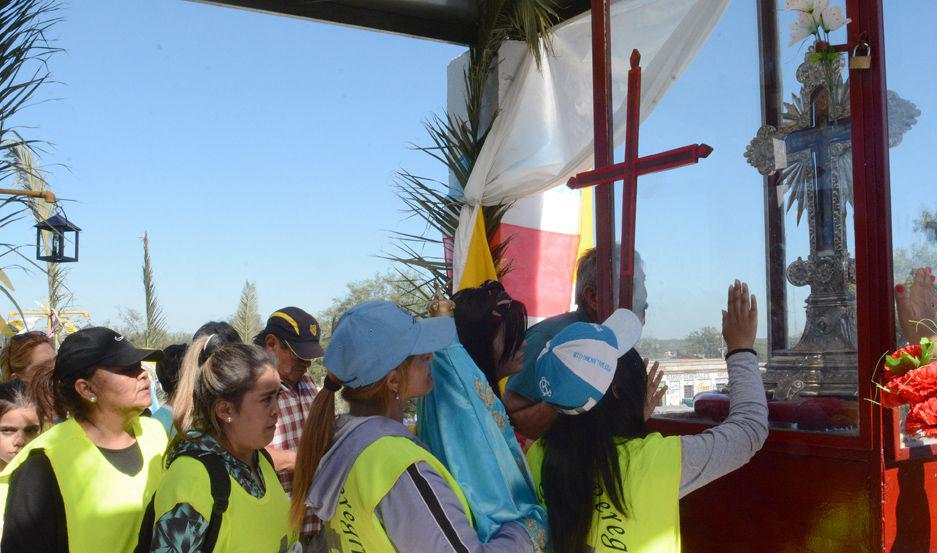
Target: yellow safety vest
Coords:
[(355, 527), (251, 524), (103, 506), (651, 484)]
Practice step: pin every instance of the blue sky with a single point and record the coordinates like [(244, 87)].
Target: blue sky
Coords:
[(248, 146), (263, 148)]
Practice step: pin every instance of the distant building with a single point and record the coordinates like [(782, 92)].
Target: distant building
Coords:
[(685, 378)]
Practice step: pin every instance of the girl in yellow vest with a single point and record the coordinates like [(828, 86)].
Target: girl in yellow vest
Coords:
[(83, 485), (607, 483), (364, 474), (224, 410)]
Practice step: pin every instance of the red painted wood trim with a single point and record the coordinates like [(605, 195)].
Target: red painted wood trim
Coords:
[(769, 44), (604, 153)]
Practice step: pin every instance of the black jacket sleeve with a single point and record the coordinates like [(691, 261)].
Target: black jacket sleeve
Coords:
[(34, 518)]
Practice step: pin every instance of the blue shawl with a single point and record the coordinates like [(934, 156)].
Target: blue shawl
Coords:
[(466, 427)]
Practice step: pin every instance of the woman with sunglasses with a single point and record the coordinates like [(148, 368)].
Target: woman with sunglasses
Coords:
[(83, 485), (26, 354)]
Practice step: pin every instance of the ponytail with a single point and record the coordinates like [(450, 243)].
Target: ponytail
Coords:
[(316, 440), (183, 404), (319, 429)]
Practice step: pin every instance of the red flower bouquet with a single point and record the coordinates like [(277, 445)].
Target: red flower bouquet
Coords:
[(907, 358), (923, 418), (911, 378)]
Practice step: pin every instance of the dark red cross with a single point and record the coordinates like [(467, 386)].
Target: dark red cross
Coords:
[(627, 171)]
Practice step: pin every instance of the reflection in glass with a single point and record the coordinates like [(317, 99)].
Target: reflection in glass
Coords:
[(912, 135), (798, 160)]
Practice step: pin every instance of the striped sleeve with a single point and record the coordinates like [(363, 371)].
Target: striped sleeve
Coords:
[(422, 494)]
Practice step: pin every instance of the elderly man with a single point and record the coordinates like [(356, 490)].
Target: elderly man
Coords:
[(292, 338), (528, 414)]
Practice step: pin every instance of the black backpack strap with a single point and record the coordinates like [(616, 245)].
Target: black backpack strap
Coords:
[(266, 454), (145, 536), (220, 484)]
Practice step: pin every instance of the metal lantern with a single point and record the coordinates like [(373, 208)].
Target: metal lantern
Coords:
[(57, 231)]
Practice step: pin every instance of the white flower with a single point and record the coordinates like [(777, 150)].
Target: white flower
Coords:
[(832, 18), (808, 6), (799, 5), (802, 27)]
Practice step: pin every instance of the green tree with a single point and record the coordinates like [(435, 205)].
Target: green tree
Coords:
[(650, 346), (927, 225), (154, 331), (382, 286), (705, 342), (130, 324), (920, 253), (246, 320)]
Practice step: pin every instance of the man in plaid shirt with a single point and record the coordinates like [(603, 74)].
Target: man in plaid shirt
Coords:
[(292, 338)]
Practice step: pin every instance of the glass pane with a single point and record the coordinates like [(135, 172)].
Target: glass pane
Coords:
[(788, 235), (912, 135)]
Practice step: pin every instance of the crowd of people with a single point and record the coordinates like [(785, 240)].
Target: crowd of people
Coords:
[(527, 439)]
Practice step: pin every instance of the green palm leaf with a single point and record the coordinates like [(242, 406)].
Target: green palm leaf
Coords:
[(456, 142)]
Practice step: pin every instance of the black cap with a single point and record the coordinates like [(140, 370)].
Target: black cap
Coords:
[(98, 346), (298, 329)]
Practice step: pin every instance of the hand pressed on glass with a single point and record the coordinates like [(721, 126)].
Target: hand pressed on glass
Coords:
[(917, 307), (740, 318), (655, 392)]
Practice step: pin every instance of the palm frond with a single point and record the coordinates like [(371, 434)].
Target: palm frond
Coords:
[(246, 320), (155, 332), (24, 54), (456, 142), (31, 177)]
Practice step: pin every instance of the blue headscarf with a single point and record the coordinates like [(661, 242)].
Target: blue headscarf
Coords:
[(465, 426)]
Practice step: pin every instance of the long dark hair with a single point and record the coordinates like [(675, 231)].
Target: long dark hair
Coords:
[(581, 454), (479, 313)]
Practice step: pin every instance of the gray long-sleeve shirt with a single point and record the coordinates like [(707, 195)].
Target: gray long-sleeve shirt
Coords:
[(420, 512), (721, 449), (421, 493)]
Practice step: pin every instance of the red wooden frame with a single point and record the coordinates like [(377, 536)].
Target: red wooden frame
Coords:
[(872, 219), (886, 489), (604, 140)]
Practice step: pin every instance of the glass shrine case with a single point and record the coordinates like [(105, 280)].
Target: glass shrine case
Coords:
[(772, 206)]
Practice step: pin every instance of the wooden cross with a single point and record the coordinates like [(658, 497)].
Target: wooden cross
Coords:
[(818, 140), (628, 171)]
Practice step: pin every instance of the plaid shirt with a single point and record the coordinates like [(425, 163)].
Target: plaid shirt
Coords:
[(295, 404)]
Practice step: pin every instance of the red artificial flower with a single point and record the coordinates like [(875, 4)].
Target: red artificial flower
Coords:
[(905, 359), (923, 418), (913, 387)]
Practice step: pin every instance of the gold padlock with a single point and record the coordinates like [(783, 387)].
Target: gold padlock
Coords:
[(864, 61)]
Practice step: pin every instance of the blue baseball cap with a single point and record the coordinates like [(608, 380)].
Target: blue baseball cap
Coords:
[(576, 367), (374, 337)]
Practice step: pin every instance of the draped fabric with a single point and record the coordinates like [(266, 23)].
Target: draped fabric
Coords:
[(464, 424), (543, 133)]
